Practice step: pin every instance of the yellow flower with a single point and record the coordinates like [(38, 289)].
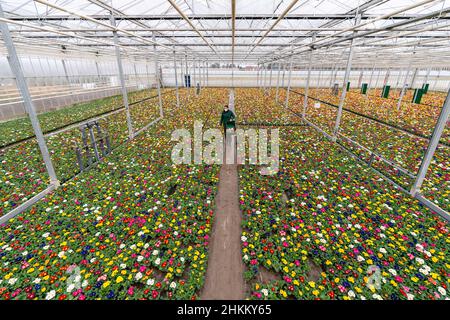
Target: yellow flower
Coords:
[(106, 284), (315, 292), (119, 279), (268, 262), (336, 280), (312, 284)]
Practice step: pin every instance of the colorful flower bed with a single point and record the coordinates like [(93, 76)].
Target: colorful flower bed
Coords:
[(20, 182), (133, 227), (403, 149), (416, 118), (326, 226)]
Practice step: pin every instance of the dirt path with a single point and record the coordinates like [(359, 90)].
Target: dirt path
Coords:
[(225, 273)]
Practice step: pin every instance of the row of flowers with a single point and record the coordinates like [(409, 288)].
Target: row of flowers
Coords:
[(23, 172), (403, 149), (326, 227)]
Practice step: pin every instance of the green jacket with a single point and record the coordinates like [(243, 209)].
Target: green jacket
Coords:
[(228, 119)]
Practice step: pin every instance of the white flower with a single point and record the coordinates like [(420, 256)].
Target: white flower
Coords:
[(173, 284), (243, 238), (37, 280), (123, 266), (420, 260), (351, 294), (70, 287), (155, 252), (442, 291), (410, 296), (258, 212), (50, 295), (12, 281), (360, 258), (48, 209), (362, 297), (265, 292), (157, 261), (383, 250), (85, 283), (138, 276), (377, 296), (24, 253), (393, 272), (122, 246), (45, 235), (150, 282), (61, 254), (140, 258), (246, 257), (133, 246)]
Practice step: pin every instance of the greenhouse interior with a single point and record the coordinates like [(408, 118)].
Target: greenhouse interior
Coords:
[(224, 150)]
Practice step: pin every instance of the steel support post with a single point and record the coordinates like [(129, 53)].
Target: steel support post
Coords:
[(278, 82), (386, 78), (361, 75), (207, 72), (370, 80), (156, 57), (257, 75), (122, 79), (289, 81), (16, 68), (283, 77), (344, 87), (404, 89), (308, 79), (432, 146), (414, 77), (176, 78), (270, 76), (427, 77)]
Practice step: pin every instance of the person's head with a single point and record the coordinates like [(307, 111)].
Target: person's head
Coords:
[(225, 108)]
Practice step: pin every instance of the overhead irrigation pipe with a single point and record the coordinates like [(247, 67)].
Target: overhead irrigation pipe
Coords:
[(183, 15), (382, 17), (104, 24), (285, 12)]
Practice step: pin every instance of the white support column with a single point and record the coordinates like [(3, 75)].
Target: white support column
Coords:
[(370, 80), (22, 85), (414, 77), (346, 77), (404, 88), (257, 75), (155, 56), (361, 75), (122, 79), (278, 82), (436, 80), (283, 76), (176, 77), (427, 77), (386, 78), (289, 79), (308, 79), (270, 77), (432, 146), (207, 72)]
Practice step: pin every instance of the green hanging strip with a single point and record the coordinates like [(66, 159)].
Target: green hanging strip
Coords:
[(364, 88)]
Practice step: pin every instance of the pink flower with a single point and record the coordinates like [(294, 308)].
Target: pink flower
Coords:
[(131, 291)]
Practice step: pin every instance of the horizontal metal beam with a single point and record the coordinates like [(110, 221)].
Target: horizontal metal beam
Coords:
[(213, 17)]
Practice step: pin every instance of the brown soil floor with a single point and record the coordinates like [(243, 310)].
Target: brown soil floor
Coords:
[(225, 273)]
